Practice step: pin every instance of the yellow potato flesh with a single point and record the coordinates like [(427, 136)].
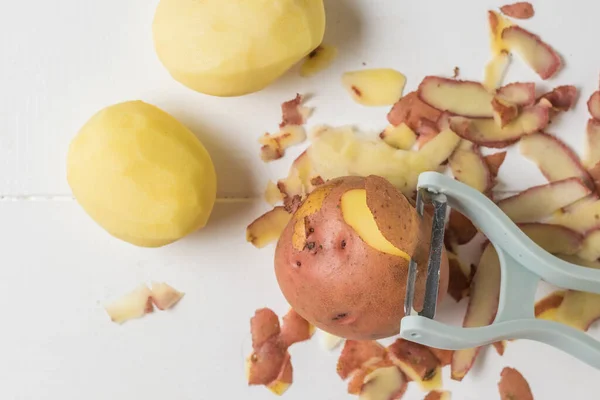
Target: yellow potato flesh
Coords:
[(235, 47), (356, 213), (278, 387), (374, 87), (311, 205), (141, 175)]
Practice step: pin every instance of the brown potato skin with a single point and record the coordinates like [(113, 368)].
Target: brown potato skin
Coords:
[(339, 283)]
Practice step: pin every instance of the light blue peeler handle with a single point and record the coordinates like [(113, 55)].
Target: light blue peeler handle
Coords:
[(523, 263)]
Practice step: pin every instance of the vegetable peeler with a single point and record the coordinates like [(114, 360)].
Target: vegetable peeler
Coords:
[(523, 264)]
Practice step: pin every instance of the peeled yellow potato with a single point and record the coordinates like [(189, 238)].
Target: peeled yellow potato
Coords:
[(235, 47), (142, 175)]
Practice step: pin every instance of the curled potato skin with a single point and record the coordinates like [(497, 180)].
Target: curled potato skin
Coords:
[(339, 283)]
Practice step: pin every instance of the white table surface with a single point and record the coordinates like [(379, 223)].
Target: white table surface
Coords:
[(63, 61)]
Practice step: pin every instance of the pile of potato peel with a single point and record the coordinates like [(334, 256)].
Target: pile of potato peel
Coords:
[(443, 126)]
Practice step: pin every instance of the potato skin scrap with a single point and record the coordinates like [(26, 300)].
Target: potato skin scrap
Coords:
[(292, 112), (544, 60), (594, 105), (268, 227), (554, 158), (437, 395), (546, 307), (264, 325), (562, 98), (387, 383), (444, 356), (356, 354), (539, 202), (555, 239), (469, 167), (520, 10), (520, 94), (500, 347), (482, 308), (458, 284), (285, 378), (486, 132), (295, 329), (132, 305), (474, 100), (416, 357), (513, 386), (165, 296), (494, 162), (410, 110), (460, 228), (504, 113), (266, 362), (357, 379), (274, 145)]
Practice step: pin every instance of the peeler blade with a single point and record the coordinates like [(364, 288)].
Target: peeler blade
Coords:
[(439, 202)]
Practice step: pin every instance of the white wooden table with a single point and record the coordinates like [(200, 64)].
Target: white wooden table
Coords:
[(63, 61)]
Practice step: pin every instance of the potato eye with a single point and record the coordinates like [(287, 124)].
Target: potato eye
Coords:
[(339, 317)]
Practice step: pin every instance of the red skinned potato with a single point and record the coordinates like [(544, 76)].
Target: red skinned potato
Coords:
[(342, 261)]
